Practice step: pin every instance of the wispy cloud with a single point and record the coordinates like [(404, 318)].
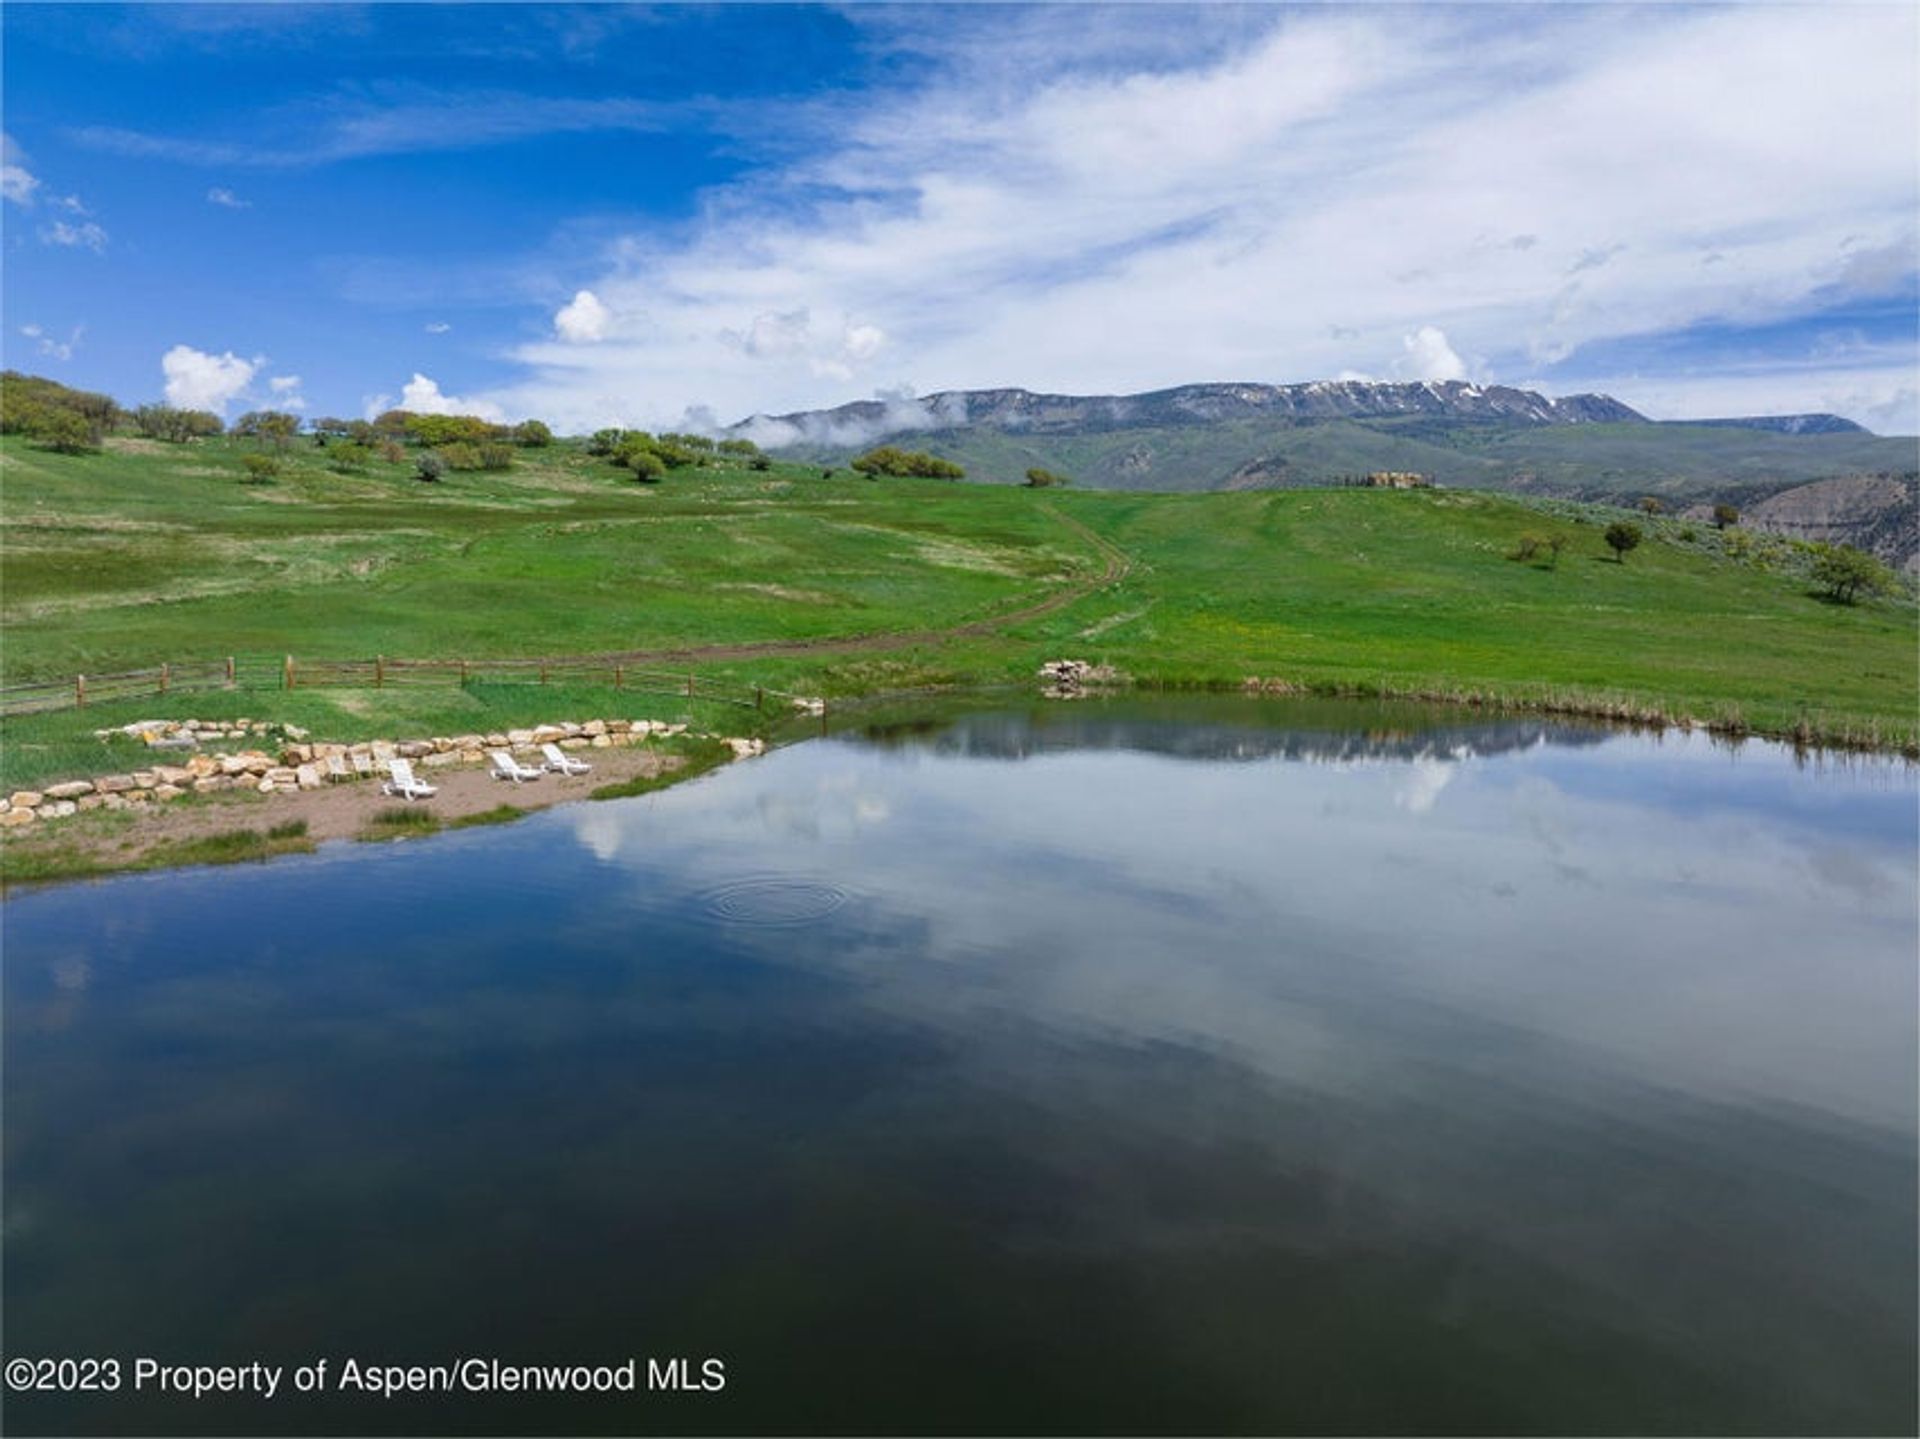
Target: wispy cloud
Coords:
[(17, 182), (86, 235), (385, 120), (220, 195), (1297, 195), (48, 347)]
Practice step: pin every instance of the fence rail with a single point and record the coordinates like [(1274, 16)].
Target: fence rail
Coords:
[(258, 673)]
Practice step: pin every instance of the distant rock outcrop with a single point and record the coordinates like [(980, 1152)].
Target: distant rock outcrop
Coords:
[(1876, 513)]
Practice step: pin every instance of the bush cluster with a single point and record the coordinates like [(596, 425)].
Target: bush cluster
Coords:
[(68, 420), (907, 464)]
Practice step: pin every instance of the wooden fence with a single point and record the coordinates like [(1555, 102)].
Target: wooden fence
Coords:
[(258, 673)]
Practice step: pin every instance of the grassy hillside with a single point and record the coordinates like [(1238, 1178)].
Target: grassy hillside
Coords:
[(155, 552), (1592, 461)]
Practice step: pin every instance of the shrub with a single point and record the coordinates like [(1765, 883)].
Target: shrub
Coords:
[(747, 449), (461, 456), (1652, 506), (532, 434), (348, 458), (605, 442), (1725, 515), (430, 466), (391, 452), (1846, 573), (697, 444), (259, 469), (1045, 479), (166, 422), (65, 431), (760, 463), (1527, 546), (1622, 537), (906, 464), (647, 467), (496, 456)]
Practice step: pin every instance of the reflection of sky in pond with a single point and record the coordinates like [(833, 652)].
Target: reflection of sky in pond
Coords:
[(1122, 1066)]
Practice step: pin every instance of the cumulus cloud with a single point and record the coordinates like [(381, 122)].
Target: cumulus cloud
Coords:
[(46, 345), (285, 390), (197, 380), (17, 183), (220, 195), (1246, 206), (424, 397), (1430, 357), (583, 320)]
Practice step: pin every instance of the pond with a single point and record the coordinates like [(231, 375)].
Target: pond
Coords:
[(1128, 1066)]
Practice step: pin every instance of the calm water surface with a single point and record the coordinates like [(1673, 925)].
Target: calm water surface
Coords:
[(1101, 1067)]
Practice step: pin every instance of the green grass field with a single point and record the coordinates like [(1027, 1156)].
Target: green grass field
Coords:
[(153, 552)]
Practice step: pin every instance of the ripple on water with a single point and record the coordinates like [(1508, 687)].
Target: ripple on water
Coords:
[(772, 900)]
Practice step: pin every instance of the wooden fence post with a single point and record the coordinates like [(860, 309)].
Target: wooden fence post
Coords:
[(619, 675), (757, 698), (379, 671), (166, 675), (463, 674), (543, 672), (286, 673), (79, 691), (689, 684), (229, 671)]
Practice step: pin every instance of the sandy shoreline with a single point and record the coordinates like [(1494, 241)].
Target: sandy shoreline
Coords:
[(343, 810)]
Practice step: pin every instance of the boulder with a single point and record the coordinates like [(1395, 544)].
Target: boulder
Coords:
[(91, 801), (58, 809), (593, 729), (601, 741), (618, 726), (440, 760), (166, 792), (234, 764), (112, 801), (284, 776), (114, 784), (265, 786), (575, 742), (203, 764), (308, 776), (496, 741), (72, 789), (213, 783), (173, 774), (472, 756), (518, 737), (144, 779), (413, 749), (138, 796), (382, 750), (15, 817)]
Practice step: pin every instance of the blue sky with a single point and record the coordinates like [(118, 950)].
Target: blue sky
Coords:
[(674, 215)]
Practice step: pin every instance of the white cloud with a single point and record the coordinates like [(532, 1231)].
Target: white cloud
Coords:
[(222, 196), (436, 327), (87, 235), (285, 390), (17, 183), (197, 380), (1290, 204), (583, 320), (50, 348), (1430, 357), (423, 396)]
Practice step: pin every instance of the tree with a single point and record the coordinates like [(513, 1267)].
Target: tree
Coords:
[(1039, 479), (496, 455), (269, 427), (165, 422), (1622, 537), (1651, 505), (348, 458), (1725, 516), (760, 463), (1846, 573), (746, 449), (532, 434), (430, 466), (698, 444), (259, 469), (647, 467), (460, 456), (605, 442)]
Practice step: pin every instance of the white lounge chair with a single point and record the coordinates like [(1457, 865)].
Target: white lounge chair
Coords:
[(561, 763), (505, 766), (403, 785)]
